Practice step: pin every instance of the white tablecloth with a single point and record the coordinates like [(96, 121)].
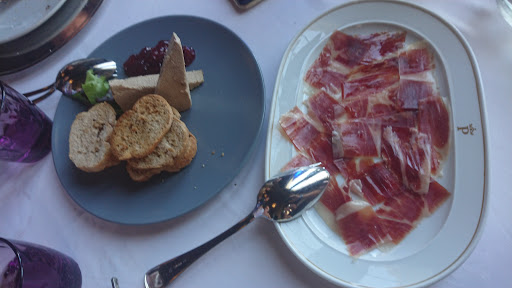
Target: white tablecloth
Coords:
[(34, 206)]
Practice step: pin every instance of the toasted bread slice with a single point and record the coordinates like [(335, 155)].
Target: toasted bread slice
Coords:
[(139, 130), (141, 175), (179, 162), (89, 148), (175, 113), (184, 159), (127, 91), (174, 143), (172, 83)]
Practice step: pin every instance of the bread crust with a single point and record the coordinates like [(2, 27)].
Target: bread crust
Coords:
[(174, 143), (139, 130), (89, 147), (185, 158), (178, 163)]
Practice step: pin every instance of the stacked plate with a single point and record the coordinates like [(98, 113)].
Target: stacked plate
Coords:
[(32, 30)]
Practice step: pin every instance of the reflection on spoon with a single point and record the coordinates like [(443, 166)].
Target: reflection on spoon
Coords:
[(282, 198)]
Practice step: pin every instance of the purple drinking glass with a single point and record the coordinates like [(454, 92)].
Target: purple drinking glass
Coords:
[(25, 131), (27, 265)]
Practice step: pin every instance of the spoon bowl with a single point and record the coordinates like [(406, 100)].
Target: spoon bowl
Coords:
[(287, 195), (70, 78), (283, 198)]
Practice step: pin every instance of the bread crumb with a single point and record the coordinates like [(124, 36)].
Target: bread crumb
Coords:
[(222, 154), (213, 152)]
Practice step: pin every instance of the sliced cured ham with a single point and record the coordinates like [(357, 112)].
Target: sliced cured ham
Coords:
[(334, 196), (355, 139), (435, 197), (360, 50), (434, 120), (350, 168), (369, 80), (300, 131), (401, 119), (372, 98), (380, 104), (408, 154), (362, 137), (347, 49), (412, 91), (416, 60), (401, 214), (307, 138), (397, 230), (343, 52), (376, 184), (326, 79), (297, 161), (360, 228), (406, 207), (383, 45), (436, 163), (325, 108)]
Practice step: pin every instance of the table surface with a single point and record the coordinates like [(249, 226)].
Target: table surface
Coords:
[(34, 206)]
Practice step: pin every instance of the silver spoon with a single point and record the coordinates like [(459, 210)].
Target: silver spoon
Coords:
[(71, 77), (282, 198)]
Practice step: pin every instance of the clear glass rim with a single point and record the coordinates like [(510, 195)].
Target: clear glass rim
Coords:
[(9, 243)]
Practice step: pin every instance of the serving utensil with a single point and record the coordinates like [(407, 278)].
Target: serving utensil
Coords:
[(283, 198), (70, 78)]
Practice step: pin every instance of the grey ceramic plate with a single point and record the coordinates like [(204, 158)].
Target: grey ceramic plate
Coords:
[(226, 118)]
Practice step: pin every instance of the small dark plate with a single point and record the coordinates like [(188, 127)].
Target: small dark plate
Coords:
[(226, 118)]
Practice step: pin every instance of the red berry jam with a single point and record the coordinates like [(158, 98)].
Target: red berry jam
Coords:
[(149, 60), (189, 54)]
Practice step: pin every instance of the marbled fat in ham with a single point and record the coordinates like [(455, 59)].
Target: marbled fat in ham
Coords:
[(408, 154), (297, 161), (412, 91), (343, 52), (325, 109), (376, 184), (416, 60), (334, 196), (307, 138), (355, 139), (435, 197), (434, 120), (383, 103), (360, 228), (372, 79), (350, 168)]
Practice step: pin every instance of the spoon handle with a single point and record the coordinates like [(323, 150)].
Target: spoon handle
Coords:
[(166, 272), (38, 91)]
